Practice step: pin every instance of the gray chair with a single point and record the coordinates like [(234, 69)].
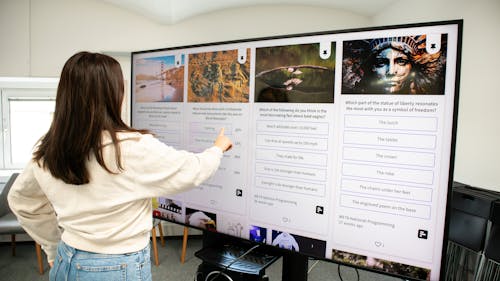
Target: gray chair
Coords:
[(10, 225)]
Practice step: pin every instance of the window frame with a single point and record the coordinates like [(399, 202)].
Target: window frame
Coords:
[(29, 89)]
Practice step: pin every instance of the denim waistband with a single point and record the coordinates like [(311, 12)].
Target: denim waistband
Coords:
[(71, 251), (72, 263)]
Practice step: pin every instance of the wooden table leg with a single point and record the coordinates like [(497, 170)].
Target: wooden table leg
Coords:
[(184, 244), (155, 247), (39, 258), (13, 244), (162, 241)]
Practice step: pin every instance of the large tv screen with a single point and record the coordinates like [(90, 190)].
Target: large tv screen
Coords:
[(343, 140)]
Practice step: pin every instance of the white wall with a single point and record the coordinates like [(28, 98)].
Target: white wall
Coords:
[(477, 160), (14, 38), (38, 36), (59, 28)]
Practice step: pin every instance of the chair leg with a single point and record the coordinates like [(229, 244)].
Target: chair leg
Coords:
[(162, 241), (13, 244), (39, 258), (184, 244), (155, 247)]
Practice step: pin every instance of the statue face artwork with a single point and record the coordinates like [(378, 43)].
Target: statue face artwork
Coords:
[(392, 69)]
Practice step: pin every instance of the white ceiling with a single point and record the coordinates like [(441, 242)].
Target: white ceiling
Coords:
[(173, 11)]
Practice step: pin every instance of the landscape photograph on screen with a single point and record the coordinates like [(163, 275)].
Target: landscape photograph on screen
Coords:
[(158, 79), (218, 77), (342, 141)]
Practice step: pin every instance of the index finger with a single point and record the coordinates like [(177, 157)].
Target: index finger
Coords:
[(221, 132)]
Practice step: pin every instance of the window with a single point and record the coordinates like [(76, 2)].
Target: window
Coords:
[(27, 107), (29, 118)]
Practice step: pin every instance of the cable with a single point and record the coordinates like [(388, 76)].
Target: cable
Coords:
[(218, 274), (340, 275), (312, 266), (231, 263), (338, 271), (196, 276)]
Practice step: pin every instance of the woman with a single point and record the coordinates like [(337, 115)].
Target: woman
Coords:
[(86, 194)]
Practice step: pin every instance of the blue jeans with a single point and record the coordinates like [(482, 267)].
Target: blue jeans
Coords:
[(72, 264)]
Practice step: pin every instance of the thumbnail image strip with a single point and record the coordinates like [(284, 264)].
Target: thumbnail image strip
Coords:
[(381, 265), (168, 209), (297, 243), (201, 219)]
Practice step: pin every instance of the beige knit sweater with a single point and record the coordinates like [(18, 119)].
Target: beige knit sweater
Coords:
[(111, 214)]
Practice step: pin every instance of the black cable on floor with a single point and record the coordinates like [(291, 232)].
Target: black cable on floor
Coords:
[(340, 275)]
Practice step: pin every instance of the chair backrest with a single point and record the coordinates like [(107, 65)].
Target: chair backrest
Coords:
[(4, 205)]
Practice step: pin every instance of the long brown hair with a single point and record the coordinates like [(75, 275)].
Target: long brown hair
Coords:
[(89, 99)]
